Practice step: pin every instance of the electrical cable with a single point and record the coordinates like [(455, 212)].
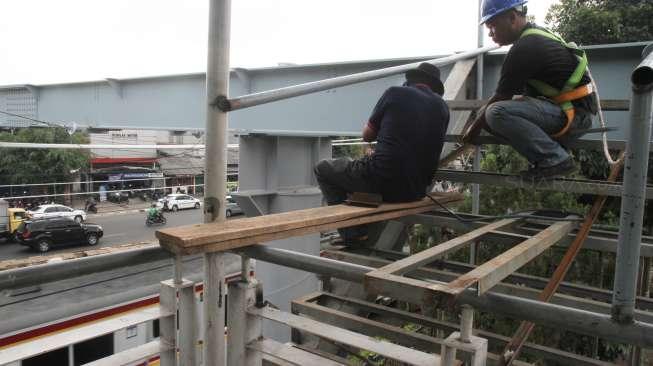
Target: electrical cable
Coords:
[(522, 214), (50, 124)]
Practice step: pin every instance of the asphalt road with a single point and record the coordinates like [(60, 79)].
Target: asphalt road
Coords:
[(118, 229)]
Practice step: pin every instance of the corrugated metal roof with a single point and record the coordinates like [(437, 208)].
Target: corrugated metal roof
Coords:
[(182, 165)]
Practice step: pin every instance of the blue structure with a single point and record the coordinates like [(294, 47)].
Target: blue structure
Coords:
[(175, 102)]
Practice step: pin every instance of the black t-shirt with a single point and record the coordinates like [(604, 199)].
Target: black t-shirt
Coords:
[(411, 122), (540, 58)]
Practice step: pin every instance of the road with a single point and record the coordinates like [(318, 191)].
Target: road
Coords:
[(118, 229)]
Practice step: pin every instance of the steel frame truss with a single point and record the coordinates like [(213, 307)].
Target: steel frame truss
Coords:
[(390, 280)]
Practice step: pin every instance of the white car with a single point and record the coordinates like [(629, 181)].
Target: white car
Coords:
[(54, 210), (232, 207), (178, 201)]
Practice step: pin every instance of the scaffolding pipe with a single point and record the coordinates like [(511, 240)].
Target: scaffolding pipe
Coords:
[(255, 99), (634, 191), (68, 268), (217, 85), (582, 321)]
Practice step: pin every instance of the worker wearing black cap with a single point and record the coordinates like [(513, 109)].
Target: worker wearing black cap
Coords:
[(408, 123)]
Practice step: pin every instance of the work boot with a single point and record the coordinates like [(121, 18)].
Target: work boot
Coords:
[(559, 170)]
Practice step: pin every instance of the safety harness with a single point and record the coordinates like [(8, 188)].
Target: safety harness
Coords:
[(570, 91)]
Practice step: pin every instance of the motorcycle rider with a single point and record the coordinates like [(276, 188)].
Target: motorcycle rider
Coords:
[(154, 214), (90, 204)]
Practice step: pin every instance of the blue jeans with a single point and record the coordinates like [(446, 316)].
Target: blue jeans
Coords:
[(527, 124)]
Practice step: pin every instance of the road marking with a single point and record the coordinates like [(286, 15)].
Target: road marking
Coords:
[(112, 235)]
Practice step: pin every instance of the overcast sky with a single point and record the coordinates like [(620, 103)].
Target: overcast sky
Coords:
[(48, 41)]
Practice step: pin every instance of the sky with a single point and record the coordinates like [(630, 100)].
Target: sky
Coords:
[(45, 41)]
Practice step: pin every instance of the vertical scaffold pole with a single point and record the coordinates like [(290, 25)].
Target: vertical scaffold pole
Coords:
[(476, 189), (217, 86), (633, 196)]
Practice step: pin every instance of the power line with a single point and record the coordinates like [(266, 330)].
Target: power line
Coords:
[(50, 124), (32, 145), (98, 192)]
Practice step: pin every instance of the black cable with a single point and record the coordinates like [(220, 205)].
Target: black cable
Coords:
[(50, 124), (517, 215)]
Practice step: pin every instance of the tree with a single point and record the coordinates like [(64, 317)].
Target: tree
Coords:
[(22, 166), (602, 21)]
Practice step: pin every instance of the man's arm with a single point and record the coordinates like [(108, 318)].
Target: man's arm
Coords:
[(479, 123), (369, 133)]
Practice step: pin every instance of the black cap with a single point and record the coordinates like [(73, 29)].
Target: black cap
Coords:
[(428, 73)]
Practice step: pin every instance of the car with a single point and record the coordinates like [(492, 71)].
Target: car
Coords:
[(46, 233), (232, 207), (178, 201), (55, 210)]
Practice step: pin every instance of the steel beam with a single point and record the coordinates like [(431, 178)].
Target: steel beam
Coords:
[(586, 144), (316, 306), (519, 279), (599, 240), (357, 340), (564, 317), (516, 182), (466, 105)]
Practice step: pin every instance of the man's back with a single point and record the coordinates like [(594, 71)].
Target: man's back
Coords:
[(411, 123)]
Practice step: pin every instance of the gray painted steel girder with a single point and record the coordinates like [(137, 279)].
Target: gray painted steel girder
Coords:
[(586, 322)]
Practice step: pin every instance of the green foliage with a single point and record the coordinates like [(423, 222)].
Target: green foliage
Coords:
[(351, 151), (21, 166), (503, 200), (602, 21)]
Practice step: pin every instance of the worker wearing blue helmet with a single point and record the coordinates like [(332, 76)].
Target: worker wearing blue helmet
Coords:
[(544, 96)]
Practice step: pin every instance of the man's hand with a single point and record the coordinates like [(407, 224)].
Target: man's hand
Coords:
[(471, 131), (369, 133)]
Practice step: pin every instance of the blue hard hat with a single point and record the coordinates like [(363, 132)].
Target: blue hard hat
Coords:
[(492, 8)]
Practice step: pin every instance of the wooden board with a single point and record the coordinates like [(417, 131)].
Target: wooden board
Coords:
[(493, 271), (429, 255), (389, 280), (214, 237)]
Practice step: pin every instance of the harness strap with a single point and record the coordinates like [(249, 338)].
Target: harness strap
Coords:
[(569, 91)]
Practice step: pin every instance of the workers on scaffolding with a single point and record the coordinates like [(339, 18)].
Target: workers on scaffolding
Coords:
[(408, 124), (555, 102)]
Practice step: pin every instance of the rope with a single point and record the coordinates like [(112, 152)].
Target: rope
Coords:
[(604, 134)]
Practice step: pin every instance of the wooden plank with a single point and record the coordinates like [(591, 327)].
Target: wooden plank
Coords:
[(335, 334), (289, 354), (492, 272), (213, 237), (429, 255), (415, 291)]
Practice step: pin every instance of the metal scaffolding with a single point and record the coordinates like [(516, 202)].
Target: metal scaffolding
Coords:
[(486, 287)]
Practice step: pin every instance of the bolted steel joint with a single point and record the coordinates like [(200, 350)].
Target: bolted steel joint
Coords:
[(222, 102)]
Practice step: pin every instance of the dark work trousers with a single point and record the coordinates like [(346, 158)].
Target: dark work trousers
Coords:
[(336, 178)]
